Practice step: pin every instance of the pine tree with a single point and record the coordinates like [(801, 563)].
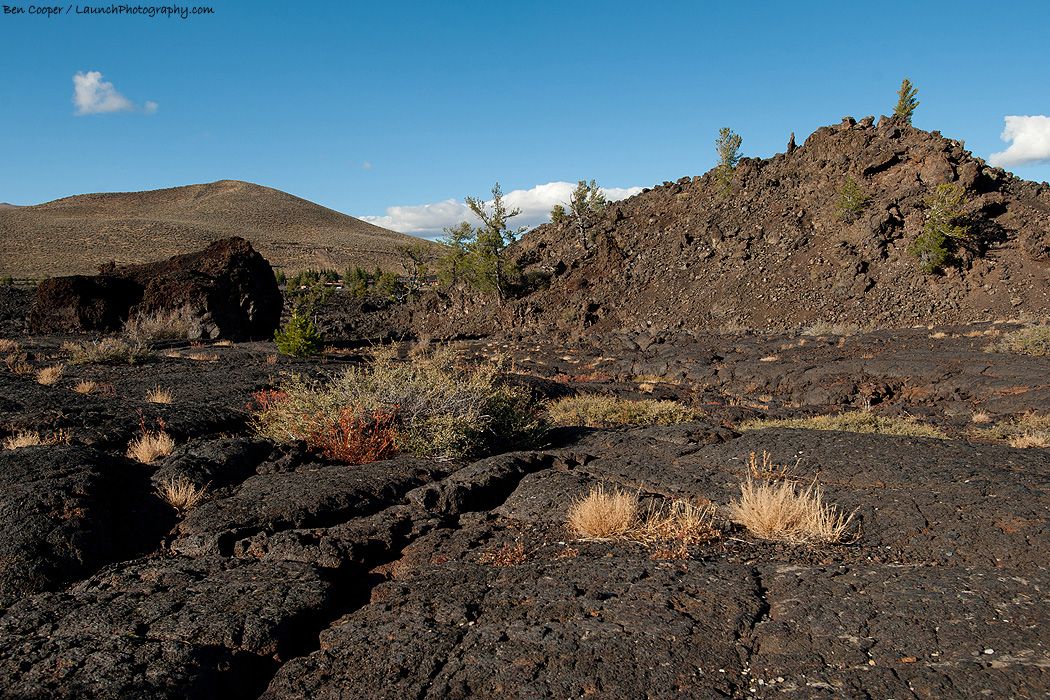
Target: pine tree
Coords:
[(492, 271), (728, 146), (585, 203), (906, 102)]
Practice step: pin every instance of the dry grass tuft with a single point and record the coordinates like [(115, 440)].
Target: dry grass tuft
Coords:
[(182, 494), (162, 324), (783, 511), (9, 346), (150, 446), (608, 411), (981, 418), (604, 514), (203, 356), (271, 359), (765, 469), (857, 422), (87, 386), (25, 438), (823, 328), (159, 395), (680, 523), (18, 362), (1034, 340), (223, 344), (49, 376), (108, 351)]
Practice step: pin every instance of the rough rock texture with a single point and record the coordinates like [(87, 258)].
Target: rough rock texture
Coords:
[(228, 288)]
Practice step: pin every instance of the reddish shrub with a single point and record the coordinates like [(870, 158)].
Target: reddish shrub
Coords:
[(265, 399), (356, 439)]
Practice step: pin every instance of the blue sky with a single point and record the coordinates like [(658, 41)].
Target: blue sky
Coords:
[(367, 106)]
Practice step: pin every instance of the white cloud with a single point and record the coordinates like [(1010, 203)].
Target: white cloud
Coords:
[(428, 220), (367, 165), (93, 95), (1029, 139)]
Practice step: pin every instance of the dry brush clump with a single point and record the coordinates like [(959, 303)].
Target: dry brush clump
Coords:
[(159, 395), (1033, 340), (786, 512), (108, 351), (670, 526), (429, 405), (857, 422), (608, 411), (26, 438), (49, 376), (161, 324), (150, 446), (181, 493), (87, 386)]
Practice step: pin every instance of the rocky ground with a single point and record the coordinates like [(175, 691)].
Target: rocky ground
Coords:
[(297, 577)]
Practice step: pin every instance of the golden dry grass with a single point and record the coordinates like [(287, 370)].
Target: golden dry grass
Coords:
[(681, 522), (766, 469), (161, 324), (203, 356), (111, 351), (159, 395), (271, 359), (87, 386), (18, 362), (856, 422), (608, 411), (785, 512), (49, 376), (150, 446), (981, 418), (181, 493), (26, 438), (603, 514), (9, 346)]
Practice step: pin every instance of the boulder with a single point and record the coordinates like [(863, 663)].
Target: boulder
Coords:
[(227, 290)]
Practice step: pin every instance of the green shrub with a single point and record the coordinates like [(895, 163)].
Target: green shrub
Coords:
[(298, 337), (280, 278), (852, 200), (389, 286), (7, 280), (1034, 340), (944, 231), (434, 406)]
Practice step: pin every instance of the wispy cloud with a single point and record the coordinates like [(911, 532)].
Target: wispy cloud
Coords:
[(93, 95), (428, 220), (1029, 139), (366, 165)]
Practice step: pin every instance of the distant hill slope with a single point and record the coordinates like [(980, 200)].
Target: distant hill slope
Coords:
[(775, 250), (77, 234)]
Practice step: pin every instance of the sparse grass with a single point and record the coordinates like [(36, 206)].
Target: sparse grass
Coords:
[(1029, 430), (766, 469), (159, 395), (785, 512), (162, 324), (26, 438), (856, 422), (203, 356), (604, 514), (1034, 341), (18, 362), (181, 493), (87, 386), (108, 351), (679, 522), (608, 411), (428, 406), (842, 328), (150, 446), (49, 376)]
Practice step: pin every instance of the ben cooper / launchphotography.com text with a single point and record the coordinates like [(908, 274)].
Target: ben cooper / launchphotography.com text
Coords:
[(80, 10)]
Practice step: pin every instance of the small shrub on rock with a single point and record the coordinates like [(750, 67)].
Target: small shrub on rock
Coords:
[(852, 200), (108, 351), (1034, 341), (428, 406), (299, 337), (609, 411)]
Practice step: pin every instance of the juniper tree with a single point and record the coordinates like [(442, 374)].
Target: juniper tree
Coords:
[(492, 271), (728, 146), (416, 259), (454, 265), (585, 203), (906, 102)]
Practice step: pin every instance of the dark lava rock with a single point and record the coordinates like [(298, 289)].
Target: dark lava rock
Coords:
[(81, 303), (610, 627), (64, 512), (228, 288)]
